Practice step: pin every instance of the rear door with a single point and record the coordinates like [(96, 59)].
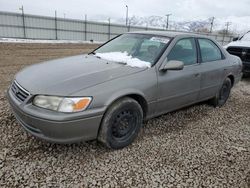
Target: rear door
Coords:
[(180, 88), (211, 67)]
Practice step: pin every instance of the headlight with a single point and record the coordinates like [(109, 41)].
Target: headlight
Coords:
[(62, 104)]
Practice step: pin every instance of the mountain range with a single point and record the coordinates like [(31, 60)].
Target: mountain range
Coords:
[(237, 25)]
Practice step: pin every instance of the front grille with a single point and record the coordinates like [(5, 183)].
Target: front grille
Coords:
[(242, 52), (248, 55), (246, 67), (20, 93)]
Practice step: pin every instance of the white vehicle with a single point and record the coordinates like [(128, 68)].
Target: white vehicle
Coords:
[(241, 48)]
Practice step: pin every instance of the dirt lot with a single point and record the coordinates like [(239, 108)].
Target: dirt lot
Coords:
[(199, 146), (13, 57)]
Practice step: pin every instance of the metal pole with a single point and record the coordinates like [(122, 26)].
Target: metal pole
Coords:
[(167, 20), (212, 24), (56, 24), (85, 29), (126, 15), (109, 33), (129, 25), (227, 26), (223, 38), (24, 29)]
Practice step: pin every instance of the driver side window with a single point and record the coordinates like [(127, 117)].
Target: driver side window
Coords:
[(185, 51)]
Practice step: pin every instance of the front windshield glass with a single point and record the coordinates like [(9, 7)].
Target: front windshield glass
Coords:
[(246, 37), (134, 49)]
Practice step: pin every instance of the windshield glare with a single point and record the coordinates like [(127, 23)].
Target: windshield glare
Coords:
[(146, 48), (246, 37)]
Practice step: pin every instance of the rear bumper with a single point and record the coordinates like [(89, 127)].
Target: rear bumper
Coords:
[(64, 132)]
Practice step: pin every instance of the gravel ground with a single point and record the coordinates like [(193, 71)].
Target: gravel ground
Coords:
[(199, 146)]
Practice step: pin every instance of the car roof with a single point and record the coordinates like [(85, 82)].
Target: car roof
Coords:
[(170, 34)]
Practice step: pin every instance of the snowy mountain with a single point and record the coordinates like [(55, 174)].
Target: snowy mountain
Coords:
[(237, 24), (161, 22)]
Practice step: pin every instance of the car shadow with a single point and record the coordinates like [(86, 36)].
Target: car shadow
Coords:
[(177, 120)]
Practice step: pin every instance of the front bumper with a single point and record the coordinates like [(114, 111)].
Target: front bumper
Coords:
[(57, 129)]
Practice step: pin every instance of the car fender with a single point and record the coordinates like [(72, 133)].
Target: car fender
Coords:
[(227, 75), (123, 93)]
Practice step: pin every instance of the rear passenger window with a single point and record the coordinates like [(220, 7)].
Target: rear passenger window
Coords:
[(185, 51), (209, 50)]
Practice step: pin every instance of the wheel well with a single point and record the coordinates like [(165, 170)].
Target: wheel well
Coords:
[(231, 77), (141, 101)]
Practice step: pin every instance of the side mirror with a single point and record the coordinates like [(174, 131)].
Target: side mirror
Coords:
[(173, 65), (235, 38)]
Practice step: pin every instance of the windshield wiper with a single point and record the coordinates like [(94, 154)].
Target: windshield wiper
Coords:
[(92, 53), (120, 62)]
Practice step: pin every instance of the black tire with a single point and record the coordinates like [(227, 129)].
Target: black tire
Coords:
[(222, 96), (121, 123)]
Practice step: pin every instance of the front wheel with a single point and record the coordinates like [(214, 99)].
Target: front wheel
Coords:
[(222, 96), (121, 123)]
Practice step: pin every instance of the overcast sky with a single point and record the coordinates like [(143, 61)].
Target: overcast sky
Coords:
[(101, 9)]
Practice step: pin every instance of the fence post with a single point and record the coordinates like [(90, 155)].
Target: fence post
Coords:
[(85, 28), (129, 26), (223, 38), (24, 29), (231, 38), (56, 25), (109, 30)]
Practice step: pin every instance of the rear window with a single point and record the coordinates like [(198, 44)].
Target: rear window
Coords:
[(209, 50)]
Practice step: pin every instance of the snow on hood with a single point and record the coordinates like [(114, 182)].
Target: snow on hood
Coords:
[(123, 57)]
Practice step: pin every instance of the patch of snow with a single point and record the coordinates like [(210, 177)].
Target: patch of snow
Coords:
[(238, 43), (19, 40), (123, 57)]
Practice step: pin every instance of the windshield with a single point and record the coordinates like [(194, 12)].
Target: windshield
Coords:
[(246, 37), (134, 49)]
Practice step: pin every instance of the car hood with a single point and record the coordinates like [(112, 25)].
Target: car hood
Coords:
[(239, 43), (64, 77)]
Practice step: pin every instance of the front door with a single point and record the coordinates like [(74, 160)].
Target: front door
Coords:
[(180, 88)]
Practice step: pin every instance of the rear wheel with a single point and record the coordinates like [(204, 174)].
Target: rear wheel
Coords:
[(222, 96), (121, 123)]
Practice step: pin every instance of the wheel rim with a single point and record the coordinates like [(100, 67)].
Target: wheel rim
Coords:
[(225, 92), (124, 124)]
